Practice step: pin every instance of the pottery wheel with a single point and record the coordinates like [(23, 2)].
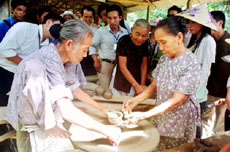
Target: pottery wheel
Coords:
[(144, 138)]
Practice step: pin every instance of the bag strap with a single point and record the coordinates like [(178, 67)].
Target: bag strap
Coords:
[(8, 23)]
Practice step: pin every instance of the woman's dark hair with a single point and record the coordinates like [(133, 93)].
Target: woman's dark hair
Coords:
[(205, 30), (173, 25), (101, 8), (55, 30)]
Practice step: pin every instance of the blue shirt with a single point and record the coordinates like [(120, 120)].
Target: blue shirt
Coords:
[(105, 41), (4, 27)]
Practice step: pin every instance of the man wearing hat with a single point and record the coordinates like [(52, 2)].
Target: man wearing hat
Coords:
[(68, 15), (220, 72)]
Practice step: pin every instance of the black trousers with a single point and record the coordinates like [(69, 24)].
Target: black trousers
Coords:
[(227, 120), (6, 79)]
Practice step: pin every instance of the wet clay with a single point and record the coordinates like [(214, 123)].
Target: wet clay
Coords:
[(143, 138)]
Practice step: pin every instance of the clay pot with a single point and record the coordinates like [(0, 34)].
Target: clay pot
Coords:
[(115, 117), (90, 92), (108, 94), (99, 91), (108, 90)]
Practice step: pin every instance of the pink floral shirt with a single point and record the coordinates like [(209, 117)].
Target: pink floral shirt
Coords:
[(180, 74)]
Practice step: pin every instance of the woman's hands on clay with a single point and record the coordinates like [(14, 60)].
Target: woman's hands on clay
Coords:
[(128, 105), (135, 117), (113, 133)]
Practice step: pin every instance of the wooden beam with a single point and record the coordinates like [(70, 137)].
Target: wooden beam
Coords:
[(151, 4), (130, 2), (136, 8), (80, 2)]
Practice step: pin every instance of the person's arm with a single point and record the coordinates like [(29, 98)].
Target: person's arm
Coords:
[(147, 93), (93, 50), (97, 63), (16, 59), (13, 39), (123, 66), (207, 59), (79, 94), (176, 100), (75, 116), (144, 70)]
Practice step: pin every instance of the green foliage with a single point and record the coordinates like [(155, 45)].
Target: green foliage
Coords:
[(162, 12), (222, 6)]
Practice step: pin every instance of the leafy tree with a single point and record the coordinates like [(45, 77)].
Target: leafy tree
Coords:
[(162, 12)]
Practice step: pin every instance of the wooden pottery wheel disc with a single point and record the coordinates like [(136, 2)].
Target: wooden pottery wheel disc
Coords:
[(143, 138)]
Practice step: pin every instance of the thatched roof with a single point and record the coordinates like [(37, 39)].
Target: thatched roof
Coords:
[(127, 5)]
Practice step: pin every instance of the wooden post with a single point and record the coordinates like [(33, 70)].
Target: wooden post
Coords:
[(125, 14), (189, 4), (148, 13)]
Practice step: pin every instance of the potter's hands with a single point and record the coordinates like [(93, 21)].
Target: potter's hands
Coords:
[(106, 110), (58, 132), (97, 65), (128, 105), (135, 117), (139, 88), (113, 133)]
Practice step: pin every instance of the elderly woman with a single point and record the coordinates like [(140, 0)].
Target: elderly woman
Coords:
[(40, 100), (176, 80), (131, 55)]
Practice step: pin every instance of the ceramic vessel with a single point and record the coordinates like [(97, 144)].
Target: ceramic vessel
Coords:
[(108, 94), (115, 117), (99, 91)]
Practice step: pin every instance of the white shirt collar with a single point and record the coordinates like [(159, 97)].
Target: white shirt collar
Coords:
[(40, 29)]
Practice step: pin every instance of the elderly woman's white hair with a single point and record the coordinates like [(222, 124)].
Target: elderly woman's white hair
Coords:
[(69, 13)]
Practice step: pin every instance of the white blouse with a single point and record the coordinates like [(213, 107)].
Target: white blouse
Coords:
[(40, 80)]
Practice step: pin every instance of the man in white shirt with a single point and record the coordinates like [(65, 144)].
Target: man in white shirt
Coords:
[(20, 41), (105, 39)]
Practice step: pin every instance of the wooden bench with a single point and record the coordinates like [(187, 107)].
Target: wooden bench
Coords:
[(10, 134)]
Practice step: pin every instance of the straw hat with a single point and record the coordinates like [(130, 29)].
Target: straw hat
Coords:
[(69, 13), (201, 15)]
